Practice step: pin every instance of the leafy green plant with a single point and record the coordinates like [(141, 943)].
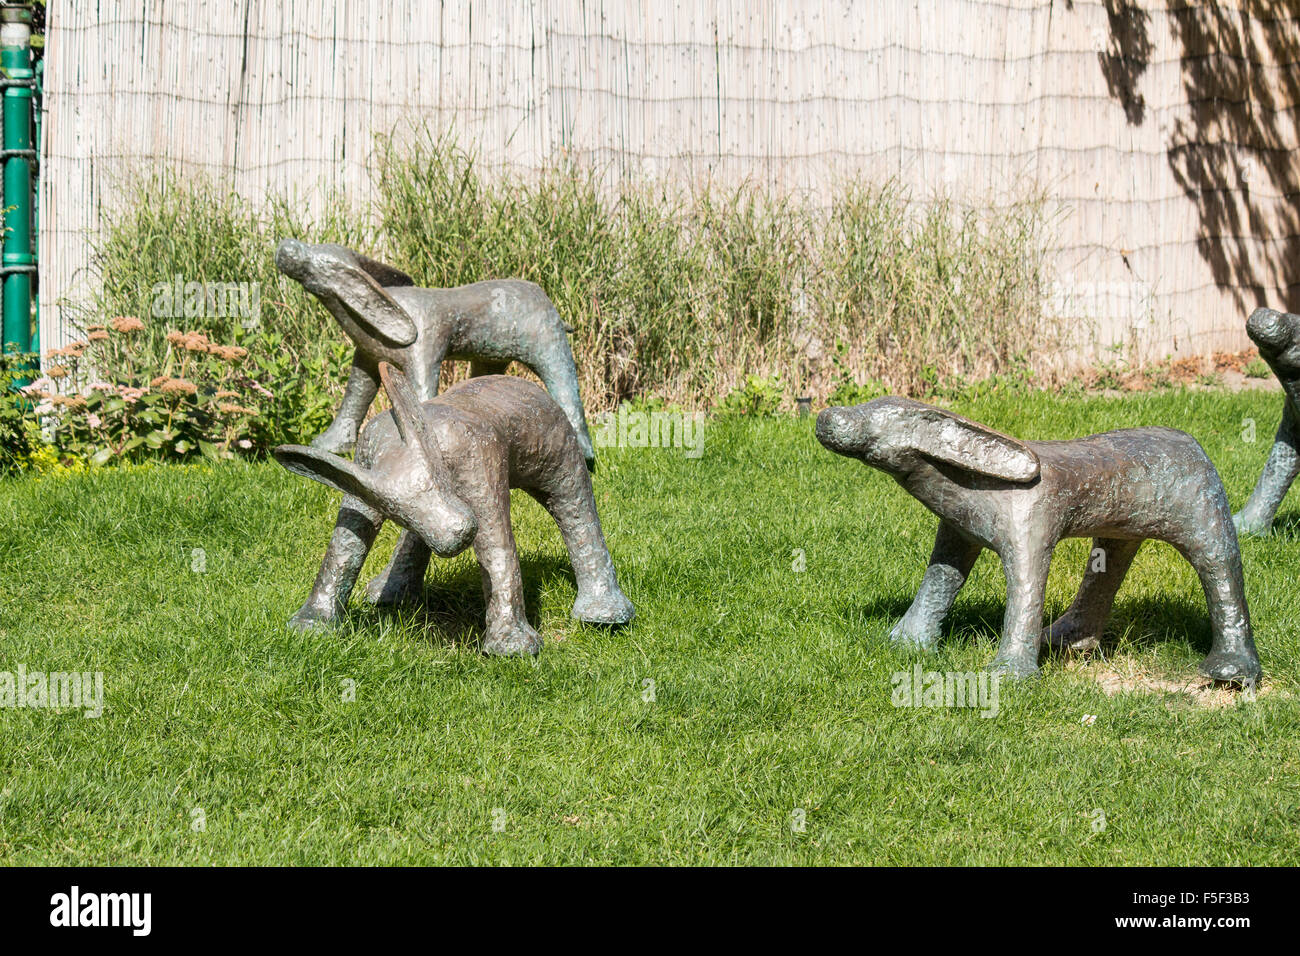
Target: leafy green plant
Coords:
[(302, 387), (847, 390), (854, 393), (18, 436), (199, 402), (759, 397), (1159, 377), (175, 234), (1109, 376), (1018, 379)]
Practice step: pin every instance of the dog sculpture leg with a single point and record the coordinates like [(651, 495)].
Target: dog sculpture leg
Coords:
[(508, 630), (573, 506), (1080, 627), (1026, 565), (403, 579), (950, 563), (1232, 654), (1281, 470), (424, 380), (354, 534), (363, 385), (556, 370)]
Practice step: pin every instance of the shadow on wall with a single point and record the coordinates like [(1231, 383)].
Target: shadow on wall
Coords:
[(1235, 152), (1127, 55)]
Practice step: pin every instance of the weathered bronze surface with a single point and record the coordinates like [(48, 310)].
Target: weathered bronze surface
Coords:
[(490, 324), (1278, 336), (1020, 498), (443, 470)]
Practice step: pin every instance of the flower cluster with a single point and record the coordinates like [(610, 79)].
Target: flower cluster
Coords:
[(197, 403), (198, 342)]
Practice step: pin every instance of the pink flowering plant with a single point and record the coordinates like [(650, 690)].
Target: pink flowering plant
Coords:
[(107, 404)]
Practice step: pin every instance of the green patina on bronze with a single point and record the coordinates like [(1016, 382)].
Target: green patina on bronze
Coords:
[(1278, 336), (1020, 498), (443, 470), (490, 324)]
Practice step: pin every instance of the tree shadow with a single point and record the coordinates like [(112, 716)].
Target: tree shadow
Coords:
[(1241, 74), (1127, 56), (451, 610), (1233, 153)]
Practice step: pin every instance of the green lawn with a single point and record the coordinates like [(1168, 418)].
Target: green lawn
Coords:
[(228, 739)]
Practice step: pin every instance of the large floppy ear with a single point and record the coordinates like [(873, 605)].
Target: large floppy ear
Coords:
[(408, 413), (338, 473), (372, 308), (958, 441)]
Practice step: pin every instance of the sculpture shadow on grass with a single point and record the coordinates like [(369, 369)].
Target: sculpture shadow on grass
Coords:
[(450, 609), (1150, 622), (1287, 526), (980, 622), (969, 621)]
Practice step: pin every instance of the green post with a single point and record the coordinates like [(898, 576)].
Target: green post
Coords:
[(19, 263), (36, 206)]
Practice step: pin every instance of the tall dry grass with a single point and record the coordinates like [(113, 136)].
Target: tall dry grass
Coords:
[(682, 293), (675, 292)]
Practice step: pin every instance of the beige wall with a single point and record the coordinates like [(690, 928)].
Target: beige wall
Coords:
[(1165, 131)]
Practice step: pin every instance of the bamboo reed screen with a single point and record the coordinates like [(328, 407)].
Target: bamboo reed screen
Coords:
[(1164, 130)]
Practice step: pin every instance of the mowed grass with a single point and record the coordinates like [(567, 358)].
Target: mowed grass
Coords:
[(228, 739)]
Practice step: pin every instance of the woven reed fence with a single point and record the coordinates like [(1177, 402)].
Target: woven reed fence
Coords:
[(1165, 131)]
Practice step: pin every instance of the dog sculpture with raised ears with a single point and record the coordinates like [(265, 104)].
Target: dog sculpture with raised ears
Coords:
[(1020, 498), (443, 470)]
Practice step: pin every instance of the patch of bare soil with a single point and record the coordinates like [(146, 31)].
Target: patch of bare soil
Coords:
[(1114, 678), (1233, 371)]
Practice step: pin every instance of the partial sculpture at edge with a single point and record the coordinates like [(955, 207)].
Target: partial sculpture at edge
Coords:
[(490, 324), (1278, 336), (1020, 498), (443, 470)]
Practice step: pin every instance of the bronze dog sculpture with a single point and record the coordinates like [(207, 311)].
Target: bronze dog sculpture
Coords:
[(1277, 334), (443, 470), (390, 320), (1019, 498)]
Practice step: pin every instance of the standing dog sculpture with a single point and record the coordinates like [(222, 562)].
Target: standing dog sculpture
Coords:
[(1278, 336), (443, 470), (390, 320), (1020, 498)]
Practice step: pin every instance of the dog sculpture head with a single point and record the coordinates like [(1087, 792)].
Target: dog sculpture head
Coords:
[(347, 280), (408, 481), (897, 434), (1278, 336)]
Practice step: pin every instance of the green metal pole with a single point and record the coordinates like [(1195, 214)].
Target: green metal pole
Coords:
[(36, 207), (19, 264)]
